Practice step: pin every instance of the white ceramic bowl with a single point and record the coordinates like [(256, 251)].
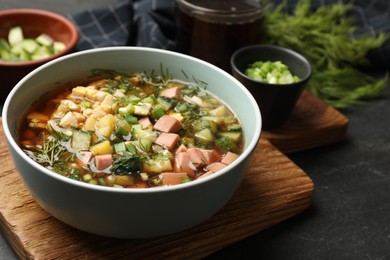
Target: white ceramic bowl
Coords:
[(130, 213)]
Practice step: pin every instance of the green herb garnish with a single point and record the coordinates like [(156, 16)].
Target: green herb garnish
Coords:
[(323, 36), (271, 72)]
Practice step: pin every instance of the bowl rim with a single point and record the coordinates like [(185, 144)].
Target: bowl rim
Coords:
[(291, 52), (246, 153), (44, 13)]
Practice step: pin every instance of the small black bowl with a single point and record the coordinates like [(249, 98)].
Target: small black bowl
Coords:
[(276, 101)]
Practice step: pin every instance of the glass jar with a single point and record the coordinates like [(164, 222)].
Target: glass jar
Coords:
[(213, 30)]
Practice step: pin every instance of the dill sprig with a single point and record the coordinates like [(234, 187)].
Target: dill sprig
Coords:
[(324, 37), (48, 152)]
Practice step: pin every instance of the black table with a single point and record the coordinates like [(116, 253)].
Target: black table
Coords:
[(350, 213)]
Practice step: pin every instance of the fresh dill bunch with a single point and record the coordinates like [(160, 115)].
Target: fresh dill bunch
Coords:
[(324, 37)]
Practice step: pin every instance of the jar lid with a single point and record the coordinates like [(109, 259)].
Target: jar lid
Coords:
[(225, 11)]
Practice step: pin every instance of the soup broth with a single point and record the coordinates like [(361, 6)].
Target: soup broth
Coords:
[(132, 130)]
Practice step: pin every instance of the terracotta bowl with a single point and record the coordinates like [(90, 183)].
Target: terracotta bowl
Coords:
[(276, 101), (33, 22)]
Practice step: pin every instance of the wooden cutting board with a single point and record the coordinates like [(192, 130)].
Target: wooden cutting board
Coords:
[(313, 123), (273, 190)]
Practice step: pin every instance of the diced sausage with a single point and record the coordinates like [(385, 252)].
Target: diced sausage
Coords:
[(173, 178), (171, 93), (210, 156), (229, 158), (84, 157), (103, 161), (214, 167), (168, 124), (196, 156), (183, 163), (168, 140), (182, 149), (145, 122)]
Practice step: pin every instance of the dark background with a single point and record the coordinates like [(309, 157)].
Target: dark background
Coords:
[(350, 213)]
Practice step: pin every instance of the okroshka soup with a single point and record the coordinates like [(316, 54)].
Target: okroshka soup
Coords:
[(119, 212)]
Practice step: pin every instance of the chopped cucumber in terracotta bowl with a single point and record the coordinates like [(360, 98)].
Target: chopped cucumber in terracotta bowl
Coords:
[(30, 38), (19, 48)]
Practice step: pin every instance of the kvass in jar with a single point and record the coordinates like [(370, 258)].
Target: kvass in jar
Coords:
[(213, 29)]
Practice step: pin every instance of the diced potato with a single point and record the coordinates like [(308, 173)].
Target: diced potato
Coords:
[(80, 117), (106, 125), (90, 123), (107, 103), (124, 180), (70, 105), (104, 147), (79, 91), (98, 112), (176, 115), (38, 116), (37, 125), (69, 120)]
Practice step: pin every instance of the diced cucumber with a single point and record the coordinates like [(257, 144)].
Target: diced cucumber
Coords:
[(217, 119), (19, 48), (127, 110), (145, 145), (139, 133), (164, 103), (45, 40), (142, 109), (235, 136), (234, 127), (147, 134), (81, 140), (58, 47), (157, 165), (219, 111), (149, 99), (24, 55), (120, 132), (130, 147), (135, 130), (41, 53), (158, 111), (119, 147), (131, 120), (15, 35), (204, 136), (142, 144), (225, 143), (4, 44)]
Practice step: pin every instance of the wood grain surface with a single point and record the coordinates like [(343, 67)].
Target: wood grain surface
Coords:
[(273, 190), (312, 124)]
